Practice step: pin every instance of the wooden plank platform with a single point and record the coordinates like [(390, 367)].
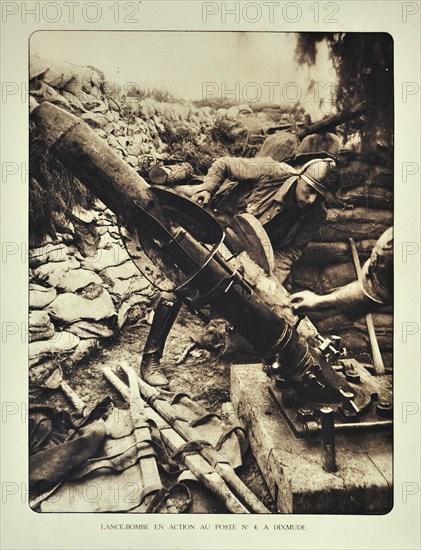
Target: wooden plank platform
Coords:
[(292, 467)]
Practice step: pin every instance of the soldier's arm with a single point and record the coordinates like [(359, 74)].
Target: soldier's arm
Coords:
[(236, 169), (360, 297), (349, 300)]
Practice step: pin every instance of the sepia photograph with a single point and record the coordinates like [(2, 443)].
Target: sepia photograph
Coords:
[(210, 245), (211, 310)]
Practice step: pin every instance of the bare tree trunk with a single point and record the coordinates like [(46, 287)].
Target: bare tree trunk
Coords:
[(175, 173), (331, 122)]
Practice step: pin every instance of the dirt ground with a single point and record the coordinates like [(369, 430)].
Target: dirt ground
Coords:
[(192, 369)]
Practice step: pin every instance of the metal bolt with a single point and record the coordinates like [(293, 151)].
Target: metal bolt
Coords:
[(304, 414), (348, 403), (384, 409), (336, 341), (328, 439), (352, 375)]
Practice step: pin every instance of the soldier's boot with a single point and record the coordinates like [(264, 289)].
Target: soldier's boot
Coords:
[(151, 372), (164, 317)]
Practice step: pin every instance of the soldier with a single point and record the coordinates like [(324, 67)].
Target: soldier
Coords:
[(287, 201), (360, 297)]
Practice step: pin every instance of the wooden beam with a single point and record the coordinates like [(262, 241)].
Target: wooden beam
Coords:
[(292, 467)]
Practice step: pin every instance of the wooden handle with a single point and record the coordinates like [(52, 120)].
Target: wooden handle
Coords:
[(72, 396), (375, 350)]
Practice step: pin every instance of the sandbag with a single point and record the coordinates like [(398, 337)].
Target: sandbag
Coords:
[(322, 279), (73, 100), (97, 120), (358, 341), (69, 308), (83, 215), (334, 276), (107, 239), (75, 279), (58, 74), (314, 145), (279, 146), (83, 80), (127, 270), (367, 196), (40, 326), (44, 92), (382, 321), (337, 252), (52, 273), (48, 253), (37, 66), (305, 277), (115, 255), (85, 346), (61, 342), (125, 307), (38, 319), (73, 263), (353, 174), (42, 333), (382, 176), (129, 286), (40, 296), (91, 329), (359, 223), (87, 239), (102, 107)]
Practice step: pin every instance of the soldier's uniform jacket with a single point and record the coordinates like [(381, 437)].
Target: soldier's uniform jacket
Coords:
[(266, 188)]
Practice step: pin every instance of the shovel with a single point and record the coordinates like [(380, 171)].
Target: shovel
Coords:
[(56, 382)]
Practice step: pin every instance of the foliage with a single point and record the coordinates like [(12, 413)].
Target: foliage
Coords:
[(364, 65), (227, 131), (53, 191), (185, 144)]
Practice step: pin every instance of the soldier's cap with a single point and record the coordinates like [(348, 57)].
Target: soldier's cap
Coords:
[(322, 175)]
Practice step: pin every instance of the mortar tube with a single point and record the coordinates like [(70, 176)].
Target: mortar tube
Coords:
[(110, 179)]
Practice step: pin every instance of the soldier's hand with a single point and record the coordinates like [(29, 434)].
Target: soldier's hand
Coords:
[(202, 197), (305, 301)]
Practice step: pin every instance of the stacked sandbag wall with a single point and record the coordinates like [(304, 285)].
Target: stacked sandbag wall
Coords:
[(133, 127), (82, 282), (366, 192), (82, 285)]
